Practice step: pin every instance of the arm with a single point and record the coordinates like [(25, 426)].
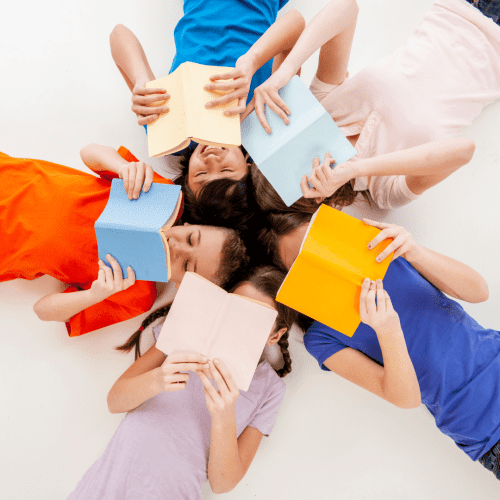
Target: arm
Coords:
[(151, 374), (424, 166), (396, 381), (448, 275), (230, 457), (135, 175), (279, 38), (62, 306), (129, 57)]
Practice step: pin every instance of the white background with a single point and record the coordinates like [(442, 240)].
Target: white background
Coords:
[(59, 90)]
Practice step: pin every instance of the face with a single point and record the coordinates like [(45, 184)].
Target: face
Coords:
[(195, 248), (209, 163), (289, 245), (248, 290)]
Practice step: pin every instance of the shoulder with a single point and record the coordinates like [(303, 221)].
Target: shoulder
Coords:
[(269, 381)]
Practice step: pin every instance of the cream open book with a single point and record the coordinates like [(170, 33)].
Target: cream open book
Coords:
[(188, 119), (205, 318)]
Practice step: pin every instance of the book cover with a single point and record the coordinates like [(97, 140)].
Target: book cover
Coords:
[(206, 319), (325, 280), (130, 230), (287, 153), (188, 119)]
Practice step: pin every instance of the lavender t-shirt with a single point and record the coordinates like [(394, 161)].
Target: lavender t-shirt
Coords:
[(160, 450)]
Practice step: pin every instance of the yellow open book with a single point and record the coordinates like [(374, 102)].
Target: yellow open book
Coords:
[(188, 119), (325, 279)]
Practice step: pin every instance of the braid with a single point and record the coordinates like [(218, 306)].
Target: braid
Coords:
[(287, 367), (135, 339)]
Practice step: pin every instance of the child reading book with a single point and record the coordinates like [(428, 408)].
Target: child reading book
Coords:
[(180, 430), (391, 111), (47, 221), (209, 33)]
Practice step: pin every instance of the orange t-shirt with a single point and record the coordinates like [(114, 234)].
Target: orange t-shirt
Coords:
[(47, 216)]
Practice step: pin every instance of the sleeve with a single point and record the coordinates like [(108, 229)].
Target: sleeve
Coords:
[(121, 306), (320, 89), (127, 155), (387, 191), (265, 417), (321, 343)]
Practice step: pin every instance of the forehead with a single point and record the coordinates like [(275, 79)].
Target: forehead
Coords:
[(209, 252), (248, 290)]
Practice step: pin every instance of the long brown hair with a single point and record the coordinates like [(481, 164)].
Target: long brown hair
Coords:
[(267, 280), (270, 201)]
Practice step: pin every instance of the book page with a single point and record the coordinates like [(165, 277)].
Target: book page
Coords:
[(210, 126), (169, 133), (192, 315), (241, 337)]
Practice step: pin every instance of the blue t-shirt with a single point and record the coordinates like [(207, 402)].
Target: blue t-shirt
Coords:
[(217, 32), (456, 360)]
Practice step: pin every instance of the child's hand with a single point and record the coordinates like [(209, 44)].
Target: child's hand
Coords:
[(324, 179), (169, 376), (403, 243), (136, 175), (267, 93), (238, 88), (220, 404), (148, 104), (110, 281), (381, 316)]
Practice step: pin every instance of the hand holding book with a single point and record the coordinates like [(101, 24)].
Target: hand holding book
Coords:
[(148, 103)]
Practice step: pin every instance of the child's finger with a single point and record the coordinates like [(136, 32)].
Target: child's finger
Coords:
[(108, 275), (362, 298), (381, 308), (228, 378), (209, 387), (306, 190), (371, 308), (130, 279), (260, 112), (149, 178), (132, 173), (277, 110), (117, 270), (139, 180), (224, 86), (374, 223), (189, 367), (249, 108), (394, 245), (125, 177), (383, 235), (225, 99), (219, 380), (146, 120), (238, 110), (235, 73), (147, 91), (280, 102), (388, 302), (186, 357)]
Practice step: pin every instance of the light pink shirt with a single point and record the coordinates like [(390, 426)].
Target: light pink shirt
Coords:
[(429, 89)]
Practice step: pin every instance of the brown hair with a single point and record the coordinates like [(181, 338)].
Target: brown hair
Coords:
[(269, 200), (267, 280)]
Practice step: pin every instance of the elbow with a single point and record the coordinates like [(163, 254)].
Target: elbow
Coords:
[(469, 147), (219, 489), (409, 404), (41, 311), (299, 19), (111, 404), (118, 30), (482, 292)]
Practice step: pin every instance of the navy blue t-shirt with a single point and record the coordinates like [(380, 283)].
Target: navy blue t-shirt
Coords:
[(217, 32), (456, 360)]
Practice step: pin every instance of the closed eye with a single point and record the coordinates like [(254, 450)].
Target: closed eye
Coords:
[(186, 265), (201, 173), (190, 242)]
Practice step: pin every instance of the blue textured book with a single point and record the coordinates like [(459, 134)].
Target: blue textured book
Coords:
[(286, 154), (130, 230)]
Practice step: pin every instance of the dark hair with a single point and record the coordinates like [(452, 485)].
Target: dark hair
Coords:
[(269, 200), (234, 259), (267, 280), (280, 224)]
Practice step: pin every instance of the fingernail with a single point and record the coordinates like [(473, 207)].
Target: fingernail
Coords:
[(208, 105), (268, 130), (369, 246), (216, 360), (108, 256), (378, 259), (207, 87)]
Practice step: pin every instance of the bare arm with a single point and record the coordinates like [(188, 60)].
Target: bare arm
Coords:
[(151, 374), (62, 306), (424, 166), (230, 457), (448, 275), (396, 381)]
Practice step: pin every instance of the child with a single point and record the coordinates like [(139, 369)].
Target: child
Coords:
[(422, 346), (227, 33), (47, 216), (398, 111), (170, 443)]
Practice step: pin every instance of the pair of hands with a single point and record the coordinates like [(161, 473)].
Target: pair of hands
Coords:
[(149, 103), (379, 313), (221, 403)]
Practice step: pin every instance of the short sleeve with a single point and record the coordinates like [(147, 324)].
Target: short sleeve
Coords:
[(119, 307), (387, 191), (321, 343), (265, 417), (157, 330)]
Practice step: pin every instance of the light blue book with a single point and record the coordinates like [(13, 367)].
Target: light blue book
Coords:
[(286, 154), (130, 230)]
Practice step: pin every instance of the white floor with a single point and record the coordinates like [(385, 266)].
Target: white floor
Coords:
[(59, 91)]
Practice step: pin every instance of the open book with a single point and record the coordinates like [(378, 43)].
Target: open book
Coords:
[(325, 280), (206, 319), (287, 153), (188, 118), (130, 230)]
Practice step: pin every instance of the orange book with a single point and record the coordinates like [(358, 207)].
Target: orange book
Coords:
[(188, 119), (325, 280)]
